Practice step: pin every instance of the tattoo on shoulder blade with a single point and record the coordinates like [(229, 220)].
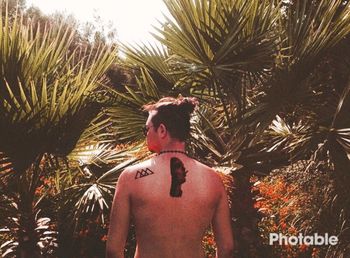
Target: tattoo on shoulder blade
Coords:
[(178, 176), (143, 172)]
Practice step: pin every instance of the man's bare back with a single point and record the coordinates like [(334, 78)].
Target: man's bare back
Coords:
[(171, 198), (168, 226)]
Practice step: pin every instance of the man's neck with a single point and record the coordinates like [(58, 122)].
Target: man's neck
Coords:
[(173, 146)]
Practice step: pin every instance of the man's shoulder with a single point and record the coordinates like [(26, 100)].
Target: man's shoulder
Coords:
[(203, 167), (130, 171), (209, 171), (140, 165)]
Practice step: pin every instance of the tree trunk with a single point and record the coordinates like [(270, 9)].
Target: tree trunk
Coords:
[(27, 236)]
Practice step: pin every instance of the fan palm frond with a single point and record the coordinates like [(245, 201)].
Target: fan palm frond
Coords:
[(310, 30), (290, 139), (343, 137), (127, 115), (210, 137), (214, 43), (46, 90), (313, 28), (340, 126), (151, 58), (95, 196)]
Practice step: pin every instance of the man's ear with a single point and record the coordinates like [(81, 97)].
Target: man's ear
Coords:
[(162, 130)]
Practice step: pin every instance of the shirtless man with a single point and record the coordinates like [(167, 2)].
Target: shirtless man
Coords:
[(171, 198)]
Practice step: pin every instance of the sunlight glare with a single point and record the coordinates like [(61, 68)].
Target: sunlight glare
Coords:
[(133, 19)]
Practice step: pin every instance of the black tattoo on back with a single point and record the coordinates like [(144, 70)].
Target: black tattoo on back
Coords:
[(178, 177), (143, 172)]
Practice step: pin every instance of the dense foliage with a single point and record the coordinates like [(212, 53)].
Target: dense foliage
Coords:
[(272, 78)]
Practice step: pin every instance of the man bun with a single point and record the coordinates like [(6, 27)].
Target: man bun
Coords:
[(174, 114), (185, 104)]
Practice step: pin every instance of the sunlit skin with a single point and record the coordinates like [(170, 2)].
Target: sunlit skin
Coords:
[(167, 226)]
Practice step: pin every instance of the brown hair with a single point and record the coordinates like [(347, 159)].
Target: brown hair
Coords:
[(174, 114)]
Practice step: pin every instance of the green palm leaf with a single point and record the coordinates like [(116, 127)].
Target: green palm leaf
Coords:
[(216, 42), (126, 114), (313, 28), (153, 60), (45, 91), (96, 195), (308, 30), (210, 137)]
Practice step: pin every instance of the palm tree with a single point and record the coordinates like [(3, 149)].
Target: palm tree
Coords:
[(46, 103)]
